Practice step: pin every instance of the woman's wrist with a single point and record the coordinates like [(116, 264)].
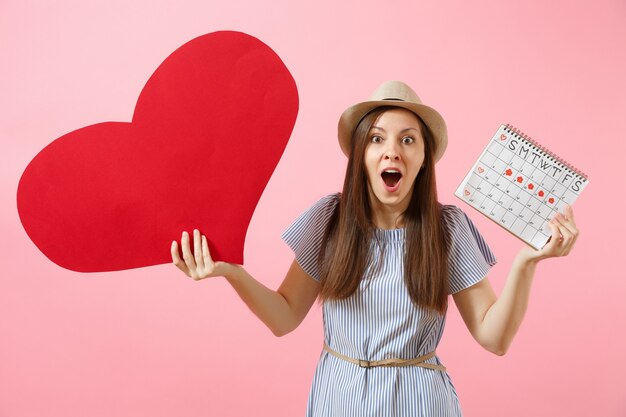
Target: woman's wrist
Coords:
[(528, 257), (232, 272)]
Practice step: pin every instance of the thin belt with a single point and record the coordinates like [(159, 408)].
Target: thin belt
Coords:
[(419, 361)]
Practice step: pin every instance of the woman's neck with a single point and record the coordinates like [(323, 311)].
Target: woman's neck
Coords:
[(385, 216)]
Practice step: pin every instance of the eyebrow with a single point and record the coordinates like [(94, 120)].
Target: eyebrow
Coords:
[(402, 131)]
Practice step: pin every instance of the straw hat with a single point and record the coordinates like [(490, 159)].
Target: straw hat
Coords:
[(396, 94)]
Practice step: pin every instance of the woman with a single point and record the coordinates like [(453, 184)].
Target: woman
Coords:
[(383, 256)]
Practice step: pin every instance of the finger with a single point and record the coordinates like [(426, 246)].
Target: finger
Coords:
[(569, 213), (567, 238), (571, 222), (197, 249), (176, 258), (567, 229), (569, 233), (187, 255), (551, 247), (566, 222), (206, 254)]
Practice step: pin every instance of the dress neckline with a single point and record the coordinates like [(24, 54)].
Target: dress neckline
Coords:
[(390, 234)]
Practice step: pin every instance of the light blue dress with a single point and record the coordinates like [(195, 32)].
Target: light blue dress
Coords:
[(380, 321)]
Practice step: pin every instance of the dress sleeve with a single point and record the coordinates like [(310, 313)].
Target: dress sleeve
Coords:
[(304, 236), (469, 258)]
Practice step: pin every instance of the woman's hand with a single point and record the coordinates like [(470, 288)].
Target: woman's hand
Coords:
[(564, 236), (282, 310), (198, 265), (494, 321)]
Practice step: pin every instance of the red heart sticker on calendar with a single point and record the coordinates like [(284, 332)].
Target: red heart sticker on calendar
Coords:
[(541, 194), (520, 179), (531, 186), (551, 200), (467, 193), (480, 170), (503, 137), (508, 172)]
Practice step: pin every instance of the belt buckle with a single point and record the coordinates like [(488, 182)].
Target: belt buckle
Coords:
[(364, 364)]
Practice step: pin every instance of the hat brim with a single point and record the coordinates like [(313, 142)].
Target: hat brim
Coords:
[(354, 114)]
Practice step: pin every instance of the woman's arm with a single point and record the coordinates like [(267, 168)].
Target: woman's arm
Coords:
[(494, 321), (282, 310)]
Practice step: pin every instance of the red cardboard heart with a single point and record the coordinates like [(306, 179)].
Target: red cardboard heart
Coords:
[(209, 127)]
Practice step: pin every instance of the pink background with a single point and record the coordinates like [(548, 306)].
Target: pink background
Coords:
[(151, 342)]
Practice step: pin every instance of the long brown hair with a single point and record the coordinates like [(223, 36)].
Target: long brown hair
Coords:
[(345, 253)]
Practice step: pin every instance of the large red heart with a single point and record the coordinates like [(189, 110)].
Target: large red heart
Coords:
[(209, 127)]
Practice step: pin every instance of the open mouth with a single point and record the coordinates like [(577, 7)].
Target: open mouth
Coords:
[(391, 177)]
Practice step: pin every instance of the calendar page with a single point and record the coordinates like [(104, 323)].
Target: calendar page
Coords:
[(521, 185)]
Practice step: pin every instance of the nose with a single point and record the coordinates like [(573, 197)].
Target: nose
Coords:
[(391, 153)]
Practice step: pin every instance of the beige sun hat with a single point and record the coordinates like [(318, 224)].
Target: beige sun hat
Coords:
[(396, 94)]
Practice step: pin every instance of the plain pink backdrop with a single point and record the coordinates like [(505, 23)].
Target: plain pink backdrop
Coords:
[(151, 342)]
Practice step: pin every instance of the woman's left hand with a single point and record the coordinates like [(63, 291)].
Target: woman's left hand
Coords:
[(564, 236)]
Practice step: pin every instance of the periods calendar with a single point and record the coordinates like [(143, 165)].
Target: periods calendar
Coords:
[(521, 185)]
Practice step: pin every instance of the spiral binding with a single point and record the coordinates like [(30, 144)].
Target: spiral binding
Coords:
[(555, 158)]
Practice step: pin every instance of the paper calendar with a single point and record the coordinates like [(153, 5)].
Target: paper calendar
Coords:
[(521, 185)]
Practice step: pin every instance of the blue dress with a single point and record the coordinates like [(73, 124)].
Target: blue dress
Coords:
[(380, 321)]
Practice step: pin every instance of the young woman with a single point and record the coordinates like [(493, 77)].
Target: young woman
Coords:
[(383, 256)]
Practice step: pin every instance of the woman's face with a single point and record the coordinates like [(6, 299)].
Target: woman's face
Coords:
[(393, 157)]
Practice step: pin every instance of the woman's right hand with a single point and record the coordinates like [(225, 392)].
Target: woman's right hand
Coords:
[(199, 264), (282, 310)]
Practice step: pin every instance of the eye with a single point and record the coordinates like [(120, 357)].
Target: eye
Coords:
[(376, 139), (407, 140)]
